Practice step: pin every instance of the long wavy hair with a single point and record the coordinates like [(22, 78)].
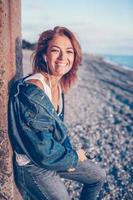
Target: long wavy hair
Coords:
[(39, 64)]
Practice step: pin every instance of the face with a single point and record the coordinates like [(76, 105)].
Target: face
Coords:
[(60, 55)]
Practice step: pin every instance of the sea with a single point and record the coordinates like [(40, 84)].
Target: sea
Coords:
[(125, 61)]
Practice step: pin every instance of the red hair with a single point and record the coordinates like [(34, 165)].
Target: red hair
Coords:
[(39, 64)]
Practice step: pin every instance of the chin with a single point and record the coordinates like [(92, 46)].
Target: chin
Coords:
[(61, 73)]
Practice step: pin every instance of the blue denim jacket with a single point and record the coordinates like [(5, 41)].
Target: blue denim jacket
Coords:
[(36, 130)]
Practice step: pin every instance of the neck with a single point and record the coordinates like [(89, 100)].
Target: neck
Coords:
[(51, 79)]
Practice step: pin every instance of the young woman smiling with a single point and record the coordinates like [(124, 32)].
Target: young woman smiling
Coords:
[(42, 149)]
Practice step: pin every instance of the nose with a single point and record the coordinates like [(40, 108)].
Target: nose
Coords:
[(62, 55)]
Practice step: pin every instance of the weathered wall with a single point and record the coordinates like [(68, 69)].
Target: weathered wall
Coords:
[(10, 59)]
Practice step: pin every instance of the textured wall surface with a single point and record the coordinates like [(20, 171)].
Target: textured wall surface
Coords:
[(10, 59)]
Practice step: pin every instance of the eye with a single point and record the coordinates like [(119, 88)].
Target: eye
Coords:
[(54, 50), (70, 51)]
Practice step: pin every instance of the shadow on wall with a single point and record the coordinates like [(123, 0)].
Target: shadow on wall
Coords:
[(19, 68)]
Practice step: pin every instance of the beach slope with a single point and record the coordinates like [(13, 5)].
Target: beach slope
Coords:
[(99, 115)]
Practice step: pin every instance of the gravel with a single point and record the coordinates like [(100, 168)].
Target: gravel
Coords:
[(99, 115)]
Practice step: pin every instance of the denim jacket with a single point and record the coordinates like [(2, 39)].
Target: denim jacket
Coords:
[(36, 130)]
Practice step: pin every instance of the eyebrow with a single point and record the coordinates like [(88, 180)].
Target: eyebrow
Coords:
[(59, 47)]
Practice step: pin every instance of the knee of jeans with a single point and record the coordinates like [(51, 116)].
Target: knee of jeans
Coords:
[(101, 175), (98, 175)]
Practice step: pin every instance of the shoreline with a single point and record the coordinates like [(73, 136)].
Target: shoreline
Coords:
[(117, 65)]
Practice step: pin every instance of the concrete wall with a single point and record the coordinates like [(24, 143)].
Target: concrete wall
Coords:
[(10, 60)]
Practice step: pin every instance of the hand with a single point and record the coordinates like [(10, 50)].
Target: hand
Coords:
[(81, 155)]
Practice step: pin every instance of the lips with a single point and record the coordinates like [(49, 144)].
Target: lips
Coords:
[(61, 64)]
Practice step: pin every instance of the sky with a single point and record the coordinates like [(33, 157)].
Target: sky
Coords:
[(101, 26)]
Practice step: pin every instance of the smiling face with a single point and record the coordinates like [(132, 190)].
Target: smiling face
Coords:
[(60, 55)]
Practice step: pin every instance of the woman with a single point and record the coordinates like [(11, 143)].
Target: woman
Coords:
[(42, 150)]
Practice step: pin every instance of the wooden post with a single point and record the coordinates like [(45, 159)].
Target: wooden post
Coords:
[(10, 67)]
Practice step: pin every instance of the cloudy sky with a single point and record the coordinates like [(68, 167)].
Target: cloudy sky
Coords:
[(102, 26)]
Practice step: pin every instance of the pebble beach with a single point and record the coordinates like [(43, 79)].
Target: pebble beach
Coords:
[(99, 116)]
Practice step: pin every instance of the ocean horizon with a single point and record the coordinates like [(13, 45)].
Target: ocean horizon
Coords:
[(125, 61)]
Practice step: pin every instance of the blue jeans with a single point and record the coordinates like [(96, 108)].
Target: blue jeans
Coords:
[(35, 183)]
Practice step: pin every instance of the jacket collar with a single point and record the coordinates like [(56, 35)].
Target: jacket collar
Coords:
[(37, 95)]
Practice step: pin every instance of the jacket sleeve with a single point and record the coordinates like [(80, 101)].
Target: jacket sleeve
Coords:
[(37, 129)]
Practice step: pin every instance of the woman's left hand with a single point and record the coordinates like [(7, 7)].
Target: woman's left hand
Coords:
[(81, 155)]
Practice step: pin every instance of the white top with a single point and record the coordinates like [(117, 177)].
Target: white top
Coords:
[(47, 89), (22, 159)]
